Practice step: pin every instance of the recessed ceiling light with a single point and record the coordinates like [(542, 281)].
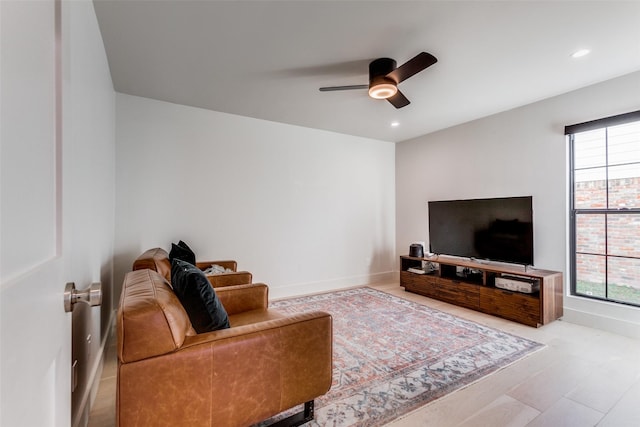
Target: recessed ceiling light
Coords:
[(580, 53), (395, 124)]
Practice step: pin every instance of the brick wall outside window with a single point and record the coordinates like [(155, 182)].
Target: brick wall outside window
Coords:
[(623, 238)]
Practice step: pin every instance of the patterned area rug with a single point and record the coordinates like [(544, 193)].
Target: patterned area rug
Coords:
[(392, 356)]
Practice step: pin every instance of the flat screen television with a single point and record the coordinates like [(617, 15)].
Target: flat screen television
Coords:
[(497, 229)]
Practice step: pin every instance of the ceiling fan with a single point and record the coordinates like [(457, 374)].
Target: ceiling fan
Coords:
[(384, 78)]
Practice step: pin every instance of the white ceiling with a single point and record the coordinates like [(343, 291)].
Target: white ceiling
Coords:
[(267, 59)]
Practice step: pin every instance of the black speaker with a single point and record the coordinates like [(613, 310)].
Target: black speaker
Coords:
[(416, 250)]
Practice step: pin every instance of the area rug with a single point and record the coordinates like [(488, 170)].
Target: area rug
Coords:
[(392, 356)]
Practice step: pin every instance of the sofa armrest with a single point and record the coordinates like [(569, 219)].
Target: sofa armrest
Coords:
[(231, 377), (238, 299), (242, 331), (291, 356), (230, 264), (230, 279)]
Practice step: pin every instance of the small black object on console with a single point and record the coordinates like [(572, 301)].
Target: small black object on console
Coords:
[(416, 250)]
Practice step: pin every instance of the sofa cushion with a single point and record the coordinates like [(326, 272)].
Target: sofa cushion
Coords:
[(252, 317), (151, 320), (155, 259), (198, 297), (183, 252)]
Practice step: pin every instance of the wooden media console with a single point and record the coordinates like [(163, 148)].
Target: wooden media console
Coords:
[(472, 284)]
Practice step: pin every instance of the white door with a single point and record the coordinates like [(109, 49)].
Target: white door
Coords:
[(35, 332)]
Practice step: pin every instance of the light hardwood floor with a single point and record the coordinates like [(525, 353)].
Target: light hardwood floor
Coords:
[(584, 377)]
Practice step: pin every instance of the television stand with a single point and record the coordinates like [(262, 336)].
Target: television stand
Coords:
[(472, 284)]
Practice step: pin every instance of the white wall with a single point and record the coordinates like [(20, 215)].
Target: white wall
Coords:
[(88, 177), (514, 153), (304, 210)]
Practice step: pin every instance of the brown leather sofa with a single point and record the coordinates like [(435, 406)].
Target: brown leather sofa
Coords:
[(158, 259), (168, 375)]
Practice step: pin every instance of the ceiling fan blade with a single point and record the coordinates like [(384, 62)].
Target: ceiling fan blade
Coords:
[(399, 100), (332, 88), (413, 66)]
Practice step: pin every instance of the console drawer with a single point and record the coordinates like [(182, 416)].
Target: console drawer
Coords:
[(511, 305), (458, 293), (422, 284)]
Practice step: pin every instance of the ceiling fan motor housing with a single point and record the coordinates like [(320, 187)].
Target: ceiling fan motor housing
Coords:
[(381, 67)]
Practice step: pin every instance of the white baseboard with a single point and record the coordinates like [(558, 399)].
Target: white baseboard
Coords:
[(599, 321), (330, 285)]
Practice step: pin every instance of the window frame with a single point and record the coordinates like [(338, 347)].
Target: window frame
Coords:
[(570, 132)]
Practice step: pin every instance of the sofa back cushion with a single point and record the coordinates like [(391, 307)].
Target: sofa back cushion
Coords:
[(156, 259), (151, 320)]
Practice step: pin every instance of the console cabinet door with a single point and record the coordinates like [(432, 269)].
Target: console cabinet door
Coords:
[(511, 305), (420, 284), (458, 293)]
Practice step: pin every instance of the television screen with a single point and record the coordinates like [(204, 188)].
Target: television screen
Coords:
[(498, 229)]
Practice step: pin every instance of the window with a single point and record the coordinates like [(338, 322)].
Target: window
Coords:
[(605, 208)]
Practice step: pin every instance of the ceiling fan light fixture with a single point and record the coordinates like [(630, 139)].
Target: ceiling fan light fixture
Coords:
[(383, 90)]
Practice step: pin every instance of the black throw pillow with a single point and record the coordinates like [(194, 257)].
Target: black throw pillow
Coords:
[(198, 297), (183, 252)]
